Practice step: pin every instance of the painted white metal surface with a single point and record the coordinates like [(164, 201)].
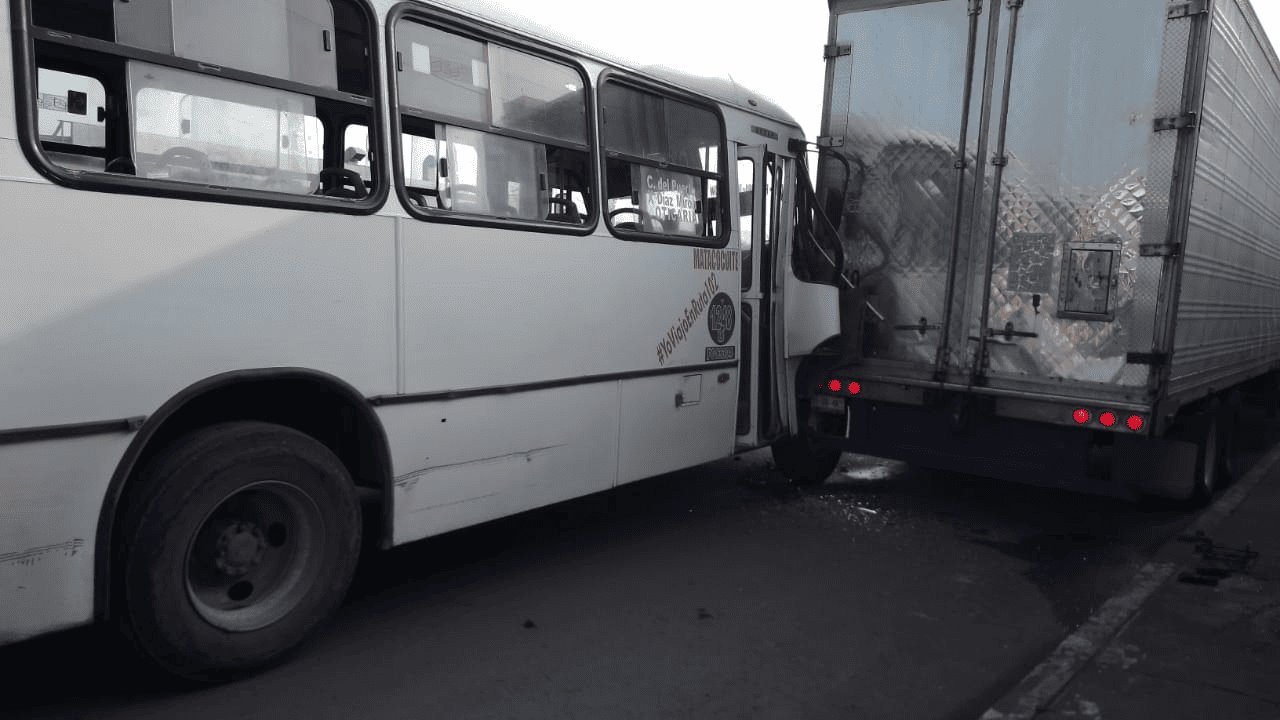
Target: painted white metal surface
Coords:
[(50, 495), (485, 307), (810, 313), (125, 300), (461, 462)]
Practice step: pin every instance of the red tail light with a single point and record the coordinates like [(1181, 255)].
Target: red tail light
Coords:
[(1081, 416), (854, 387), (1108, 419), (834, 386), (1136, 422)]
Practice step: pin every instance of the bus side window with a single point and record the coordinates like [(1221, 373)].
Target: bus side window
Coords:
[(490, 131), (420, 156), (746, 218), (101, 110), (355, 151), (71, 119), (195, 128), (662, 169)]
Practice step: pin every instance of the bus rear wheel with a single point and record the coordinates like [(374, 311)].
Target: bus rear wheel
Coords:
[(241, 539)]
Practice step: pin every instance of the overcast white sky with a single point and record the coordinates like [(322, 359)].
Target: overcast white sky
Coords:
[(773, 47)]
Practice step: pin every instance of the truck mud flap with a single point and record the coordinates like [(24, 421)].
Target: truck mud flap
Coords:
[(1161, 467)]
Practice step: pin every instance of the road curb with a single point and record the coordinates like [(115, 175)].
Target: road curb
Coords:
[(1037, 691)]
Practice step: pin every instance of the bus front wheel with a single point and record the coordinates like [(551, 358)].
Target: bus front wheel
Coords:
[(241, 538), (803, 461)]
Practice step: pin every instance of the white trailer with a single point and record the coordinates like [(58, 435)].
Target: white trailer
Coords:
[(1061, 236)]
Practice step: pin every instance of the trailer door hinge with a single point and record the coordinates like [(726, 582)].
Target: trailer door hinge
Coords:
[(975, 7), (835, 51), (830, 141), (1188, 9), (1185, 121), (1154, 359), (1159, 250)]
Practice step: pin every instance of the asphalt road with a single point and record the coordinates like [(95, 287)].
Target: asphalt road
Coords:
[(717, 592)]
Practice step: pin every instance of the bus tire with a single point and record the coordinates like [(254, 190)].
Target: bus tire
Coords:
[(242, 537), (804, 462)]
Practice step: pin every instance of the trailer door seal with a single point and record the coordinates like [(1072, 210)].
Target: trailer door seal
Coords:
[(1188, 9), (1154, 359)]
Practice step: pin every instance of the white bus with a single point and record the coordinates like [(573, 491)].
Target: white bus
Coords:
[(286, 253)]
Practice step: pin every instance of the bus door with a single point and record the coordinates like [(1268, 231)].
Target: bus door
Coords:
[(760, 207)]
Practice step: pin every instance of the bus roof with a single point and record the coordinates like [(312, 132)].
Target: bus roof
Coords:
[(723, 90)]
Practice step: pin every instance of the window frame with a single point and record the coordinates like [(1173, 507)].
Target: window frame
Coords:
[(25, 35), (643, 84), (483, 31)]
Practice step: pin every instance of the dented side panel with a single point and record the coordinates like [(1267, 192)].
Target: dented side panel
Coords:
[(50, 496)]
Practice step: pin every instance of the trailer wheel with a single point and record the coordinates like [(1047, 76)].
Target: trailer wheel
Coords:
[(1214, 464), (243, 538)]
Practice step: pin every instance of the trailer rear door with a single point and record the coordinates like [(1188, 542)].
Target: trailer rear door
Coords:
[(900, 96), (1060, 292), (1040, 283)]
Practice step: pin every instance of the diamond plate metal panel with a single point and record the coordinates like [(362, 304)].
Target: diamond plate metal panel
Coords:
[(1078, 136), (1031, 268), (1089, 351)]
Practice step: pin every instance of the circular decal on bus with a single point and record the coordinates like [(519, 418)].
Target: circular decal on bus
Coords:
[(721, 318)]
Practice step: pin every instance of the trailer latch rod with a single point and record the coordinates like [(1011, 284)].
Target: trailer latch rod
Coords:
[(923, 327), (1008, 333), (1186, 121)]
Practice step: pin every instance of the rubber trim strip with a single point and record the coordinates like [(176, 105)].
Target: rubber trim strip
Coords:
[(385, 400), (59, 432)]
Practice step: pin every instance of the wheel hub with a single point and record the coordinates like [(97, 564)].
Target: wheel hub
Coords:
[(240, 548), (257, 554)]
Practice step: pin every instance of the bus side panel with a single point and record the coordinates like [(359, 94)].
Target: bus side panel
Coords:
[(675, 421), (462, 462), (115, 303), (50, 493), (496, 310)]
